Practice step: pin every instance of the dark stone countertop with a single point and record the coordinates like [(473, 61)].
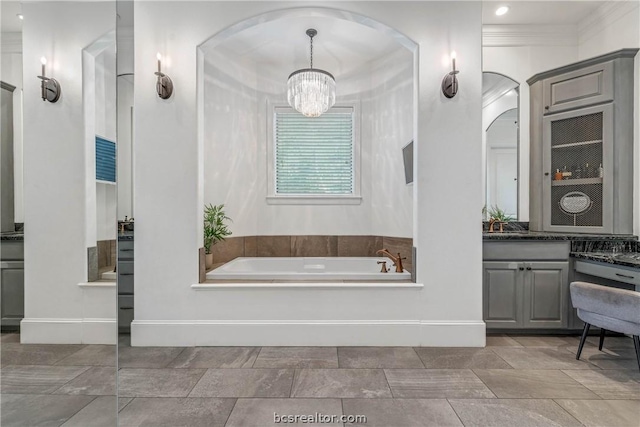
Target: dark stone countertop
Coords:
[(541, 235), (627, 259), (12, 235)]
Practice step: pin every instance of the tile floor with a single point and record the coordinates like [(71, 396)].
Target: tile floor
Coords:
[(515, 381)]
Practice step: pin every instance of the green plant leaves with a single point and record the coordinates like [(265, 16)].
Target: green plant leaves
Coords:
[(215, 229)]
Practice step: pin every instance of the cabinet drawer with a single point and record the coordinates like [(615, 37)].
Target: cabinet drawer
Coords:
[(619, 274), (125, 249), (525, 251), (12, 250), (125, 311), (587, 86), (125, 277)]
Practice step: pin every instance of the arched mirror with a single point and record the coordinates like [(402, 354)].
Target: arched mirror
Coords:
[(500, 144)]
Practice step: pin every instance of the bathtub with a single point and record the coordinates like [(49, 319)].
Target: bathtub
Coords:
[(307, 269)]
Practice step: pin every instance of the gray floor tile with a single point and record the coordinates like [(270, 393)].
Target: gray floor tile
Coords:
[(20, 410), (171, 412), (502, 341), (297, 357), (402, 412), (612, 342), (609, 383), (35, 354), (101, 412), (512, 412), (541, 358), (603, 413), (261, 412), (378, 357), (533, 384), (460, 358), (545, 340), (10, 337), (157, 382), (37, 379), (147, 357), (97, 381), (436, 384), (93, 355), (367, 383), (244, 383), (608, 358), (216, 357)]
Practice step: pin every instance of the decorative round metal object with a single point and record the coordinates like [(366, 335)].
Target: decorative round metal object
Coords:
[(575, 202), (51, 90), (164, 86)]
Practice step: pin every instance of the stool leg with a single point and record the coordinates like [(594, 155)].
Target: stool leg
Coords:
[(602, 331), (636, 344), (585, 331)]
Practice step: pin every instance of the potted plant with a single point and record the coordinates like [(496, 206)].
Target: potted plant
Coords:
[(498, 215), (215, 229)]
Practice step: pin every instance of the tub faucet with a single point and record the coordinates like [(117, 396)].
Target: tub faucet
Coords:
[(397, 261)]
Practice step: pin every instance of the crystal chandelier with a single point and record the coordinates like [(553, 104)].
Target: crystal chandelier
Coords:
[(311, 91)]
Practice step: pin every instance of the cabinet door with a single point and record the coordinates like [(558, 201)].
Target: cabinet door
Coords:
[(579, 88), (577, 194), (546, 295), (12, 295), (502, 294)]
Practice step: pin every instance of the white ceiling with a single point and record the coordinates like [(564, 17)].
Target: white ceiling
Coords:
[(281, 46), (9, 21), (538, 12)]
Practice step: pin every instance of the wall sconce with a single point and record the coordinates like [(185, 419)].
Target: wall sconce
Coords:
[(450, 81), (50, 87), (164, 85)]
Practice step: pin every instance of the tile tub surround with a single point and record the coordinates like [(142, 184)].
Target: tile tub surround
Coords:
[(310, 246), (244, 386)]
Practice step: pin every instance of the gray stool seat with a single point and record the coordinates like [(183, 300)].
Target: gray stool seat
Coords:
[(610, 309)]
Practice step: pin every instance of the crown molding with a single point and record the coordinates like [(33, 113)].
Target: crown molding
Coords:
[(529, 35), (604, 16), (11, 42)]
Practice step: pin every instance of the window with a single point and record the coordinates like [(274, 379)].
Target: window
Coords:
[(105, 160), (314, 160)]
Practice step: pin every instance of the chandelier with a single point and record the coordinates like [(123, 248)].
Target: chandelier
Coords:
[(311, 91)]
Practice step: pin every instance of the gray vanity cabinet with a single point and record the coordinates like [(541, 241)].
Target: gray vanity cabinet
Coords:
[(581, 146), (526, 284), (11, 283), (525, 295)]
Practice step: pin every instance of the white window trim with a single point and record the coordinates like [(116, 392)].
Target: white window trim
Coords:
[(310, 199)]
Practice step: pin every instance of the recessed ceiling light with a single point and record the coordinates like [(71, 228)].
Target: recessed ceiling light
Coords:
[(502, 10), (20, 16)]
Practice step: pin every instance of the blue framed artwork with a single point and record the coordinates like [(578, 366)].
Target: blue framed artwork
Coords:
[(105, 160)]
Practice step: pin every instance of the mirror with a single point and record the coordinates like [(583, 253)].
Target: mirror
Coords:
[(58, 293), (500, 143)]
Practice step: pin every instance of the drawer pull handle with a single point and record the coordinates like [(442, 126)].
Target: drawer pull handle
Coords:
[(521, 268), (126, 308), (624, 275), (126, 250), (126, 274)]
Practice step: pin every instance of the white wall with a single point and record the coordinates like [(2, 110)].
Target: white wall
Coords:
[(612, 27), (11, 72), (237, 102), (55, 167), (168, 183)]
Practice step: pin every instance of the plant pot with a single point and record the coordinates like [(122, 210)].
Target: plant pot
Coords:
[(208, 261)]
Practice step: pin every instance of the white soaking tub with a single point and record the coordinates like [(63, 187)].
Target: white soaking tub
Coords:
[(307, 269)]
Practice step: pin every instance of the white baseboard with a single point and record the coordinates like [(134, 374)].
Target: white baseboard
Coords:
[(307, 333), (68, 331)]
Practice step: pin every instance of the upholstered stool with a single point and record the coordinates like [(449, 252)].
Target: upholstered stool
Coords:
[(609, 309)]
